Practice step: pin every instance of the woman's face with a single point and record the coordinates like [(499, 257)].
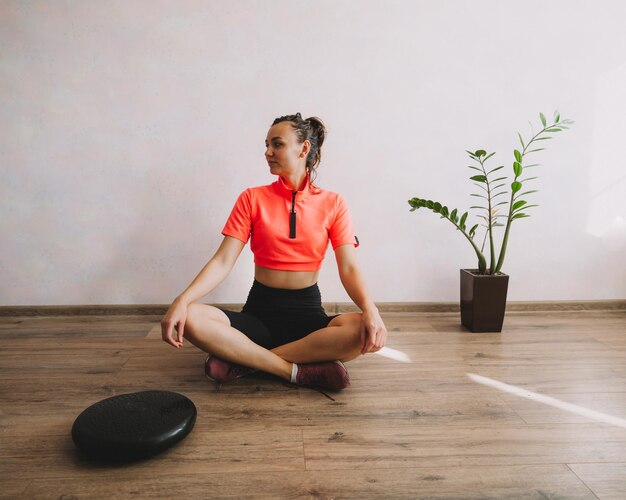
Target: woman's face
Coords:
[(283, 152)]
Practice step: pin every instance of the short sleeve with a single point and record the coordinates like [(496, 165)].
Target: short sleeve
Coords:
[(239, 223), (342, 231)]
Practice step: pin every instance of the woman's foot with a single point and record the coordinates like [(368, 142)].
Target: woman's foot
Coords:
[(224, 371), (327, 375)]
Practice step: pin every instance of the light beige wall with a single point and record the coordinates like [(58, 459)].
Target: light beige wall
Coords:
[(129, 128)]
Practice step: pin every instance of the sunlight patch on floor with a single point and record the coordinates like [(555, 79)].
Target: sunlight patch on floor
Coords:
[(547, 400), (394, 354)]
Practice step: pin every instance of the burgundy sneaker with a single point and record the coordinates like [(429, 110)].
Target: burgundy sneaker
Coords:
[(328, 375), (224, 371)]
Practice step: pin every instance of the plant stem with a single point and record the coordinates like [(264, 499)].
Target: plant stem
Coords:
[(509, 219), (482, 262), (492, 261)]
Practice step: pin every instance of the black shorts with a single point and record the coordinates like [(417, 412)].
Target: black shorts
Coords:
[(275, 316)]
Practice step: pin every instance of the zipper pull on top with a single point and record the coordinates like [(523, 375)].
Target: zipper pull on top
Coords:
[(292, 216)]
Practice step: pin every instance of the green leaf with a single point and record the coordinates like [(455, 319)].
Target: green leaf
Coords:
[(547, 138), (557, 117), (437, 207), (479, 207), (470, 153), (453, 216), (479, 178), (518, 155), (526, 207), (517, 168), (478, 196), (496, 195), (543, 119), (472, 231), (444, 211), (480, 152), (475, 168), (529, 179), (489, 156), (497, 168), (499, 179), (463, 219), (519, 215), (553, 129), (518, 204), (516, 186), (521, 140), (528, 192)]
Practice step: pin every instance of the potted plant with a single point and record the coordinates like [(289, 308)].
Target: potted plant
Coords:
[(483, 290)]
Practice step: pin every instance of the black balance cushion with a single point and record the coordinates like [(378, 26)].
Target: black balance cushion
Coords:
[(133, 426)]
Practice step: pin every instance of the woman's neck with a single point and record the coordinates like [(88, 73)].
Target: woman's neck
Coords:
[(295, 182)]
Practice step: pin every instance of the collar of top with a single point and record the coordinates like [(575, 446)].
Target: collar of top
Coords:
[(281, 188)]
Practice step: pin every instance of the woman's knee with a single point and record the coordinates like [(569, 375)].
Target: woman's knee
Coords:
[(351, 323), (201, 315)]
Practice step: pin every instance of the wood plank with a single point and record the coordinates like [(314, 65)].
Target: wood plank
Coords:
[(304, 408), (607, 481), (555, 481), (609, 403), (203, 451), (341, 446)]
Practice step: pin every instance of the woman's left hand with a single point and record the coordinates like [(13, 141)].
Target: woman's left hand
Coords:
[(373, 331)]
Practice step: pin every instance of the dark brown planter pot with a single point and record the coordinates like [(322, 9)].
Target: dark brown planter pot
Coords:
[(483, 300)]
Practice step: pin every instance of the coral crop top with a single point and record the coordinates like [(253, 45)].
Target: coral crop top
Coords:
[(290, 230)]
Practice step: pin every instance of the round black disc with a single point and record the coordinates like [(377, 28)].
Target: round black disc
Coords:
[(132, 426)]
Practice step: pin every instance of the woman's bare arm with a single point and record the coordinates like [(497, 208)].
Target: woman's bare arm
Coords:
[(373, 331), (211, 275)]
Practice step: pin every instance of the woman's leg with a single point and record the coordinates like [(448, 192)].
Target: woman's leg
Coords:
[(209, 329), (339, 340)]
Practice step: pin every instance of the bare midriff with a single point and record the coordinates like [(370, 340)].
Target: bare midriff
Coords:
[(291, 280)]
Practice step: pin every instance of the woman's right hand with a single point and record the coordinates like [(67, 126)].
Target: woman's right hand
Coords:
[(174, 319)]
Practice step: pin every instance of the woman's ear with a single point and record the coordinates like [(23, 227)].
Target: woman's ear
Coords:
[(306, 147)]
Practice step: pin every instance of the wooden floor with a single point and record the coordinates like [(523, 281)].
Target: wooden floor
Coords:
[(424, 429)]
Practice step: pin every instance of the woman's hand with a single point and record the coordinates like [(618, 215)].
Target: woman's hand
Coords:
[(174, 318), (373, 331)]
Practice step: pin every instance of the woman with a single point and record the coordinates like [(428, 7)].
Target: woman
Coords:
[(282, 329)]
